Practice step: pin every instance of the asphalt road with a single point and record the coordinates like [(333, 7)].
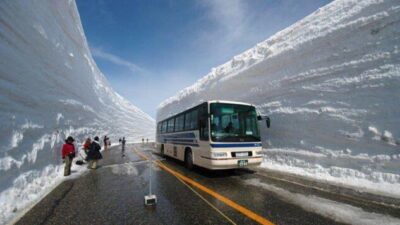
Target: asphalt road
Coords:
[(114, 194)]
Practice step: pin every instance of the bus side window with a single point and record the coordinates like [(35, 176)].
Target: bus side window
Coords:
[(171, 125), (179, 123), (194, 120), (203, 122), (191, 120), (159, 128), (187, 120), (164, 127)]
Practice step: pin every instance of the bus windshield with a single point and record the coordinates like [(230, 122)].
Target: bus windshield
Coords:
[(233, 123)]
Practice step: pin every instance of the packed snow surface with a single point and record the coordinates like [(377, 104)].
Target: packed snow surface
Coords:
[(50, 87), (340, 212), (331, 86)]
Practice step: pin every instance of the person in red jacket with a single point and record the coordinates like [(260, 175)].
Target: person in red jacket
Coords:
[(68, 153), (86, 145)]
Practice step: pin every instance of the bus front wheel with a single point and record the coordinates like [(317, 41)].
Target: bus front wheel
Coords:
[(188, 159)]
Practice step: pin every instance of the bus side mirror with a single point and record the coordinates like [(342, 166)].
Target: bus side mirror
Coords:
[(268, 121), (259, 118)]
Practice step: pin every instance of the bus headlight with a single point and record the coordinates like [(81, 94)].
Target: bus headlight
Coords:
[(218, 154), (259, 152)]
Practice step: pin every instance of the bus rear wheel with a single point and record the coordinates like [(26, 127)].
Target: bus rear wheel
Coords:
[(189, 159)]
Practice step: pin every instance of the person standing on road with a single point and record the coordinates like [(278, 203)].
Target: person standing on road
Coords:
[(94, 153), (123, 146), (105, 143), (68, 153)]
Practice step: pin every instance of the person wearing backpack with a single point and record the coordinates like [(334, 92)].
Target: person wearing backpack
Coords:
[(68, 153), (94, 153)]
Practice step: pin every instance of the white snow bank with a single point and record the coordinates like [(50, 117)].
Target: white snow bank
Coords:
[(50, 88), (330, 81), (32, 186), (318, 166), (340, 212)]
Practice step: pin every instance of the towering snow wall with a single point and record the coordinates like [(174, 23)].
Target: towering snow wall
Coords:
[(331, 85), (50, 87)]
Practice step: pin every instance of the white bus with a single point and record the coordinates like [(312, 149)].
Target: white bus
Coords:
[(214, 135)]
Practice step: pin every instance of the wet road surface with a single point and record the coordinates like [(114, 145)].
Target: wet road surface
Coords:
[(114, 194)]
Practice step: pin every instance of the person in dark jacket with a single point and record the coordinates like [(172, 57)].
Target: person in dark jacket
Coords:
[(68, 153), (123, 141), (94, 153)]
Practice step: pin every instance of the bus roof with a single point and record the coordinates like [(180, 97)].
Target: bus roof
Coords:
[(209, 101), (229, 102)]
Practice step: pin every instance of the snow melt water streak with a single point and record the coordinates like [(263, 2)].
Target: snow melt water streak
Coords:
[(50, 87), (331, 85)]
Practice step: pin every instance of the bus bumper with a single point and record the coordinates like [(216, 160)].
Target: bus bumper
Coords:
[(232, 163)]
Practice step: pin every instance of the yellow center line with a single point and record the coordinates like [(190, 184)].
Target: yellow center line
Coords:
[(206, 201), (250, 214)]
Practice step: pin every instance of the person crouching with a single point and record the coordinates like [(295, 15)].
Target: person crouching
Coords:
[(68, 153), (94, 153)]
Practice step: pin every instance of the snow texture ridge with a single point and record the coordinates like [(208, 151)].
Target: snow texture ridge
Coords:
[(339, 212), (331, 85), (50, 88)]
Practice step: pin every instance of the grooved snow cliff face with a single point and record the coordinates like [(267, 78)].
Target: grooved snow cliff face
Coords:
[(50, 87), (331, 85)]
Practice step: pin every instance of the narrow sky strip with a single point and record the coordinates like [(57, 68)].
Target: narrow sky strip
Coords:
[(149, 50)]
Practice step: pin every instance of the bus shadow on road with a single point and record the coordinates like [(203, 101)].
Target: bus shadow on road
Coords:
[(179, 165)]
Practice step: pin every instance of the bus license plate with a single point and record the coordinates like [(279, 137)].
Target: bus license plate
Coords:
[(242, 162), (242, 154)]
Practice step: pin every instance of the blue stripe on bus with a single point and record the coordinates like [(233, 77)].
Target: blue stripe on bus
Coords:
[(186, 144), (180, 139), (194, 145), (184, 135), (177, 140), (187, 138), (236, 145)]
